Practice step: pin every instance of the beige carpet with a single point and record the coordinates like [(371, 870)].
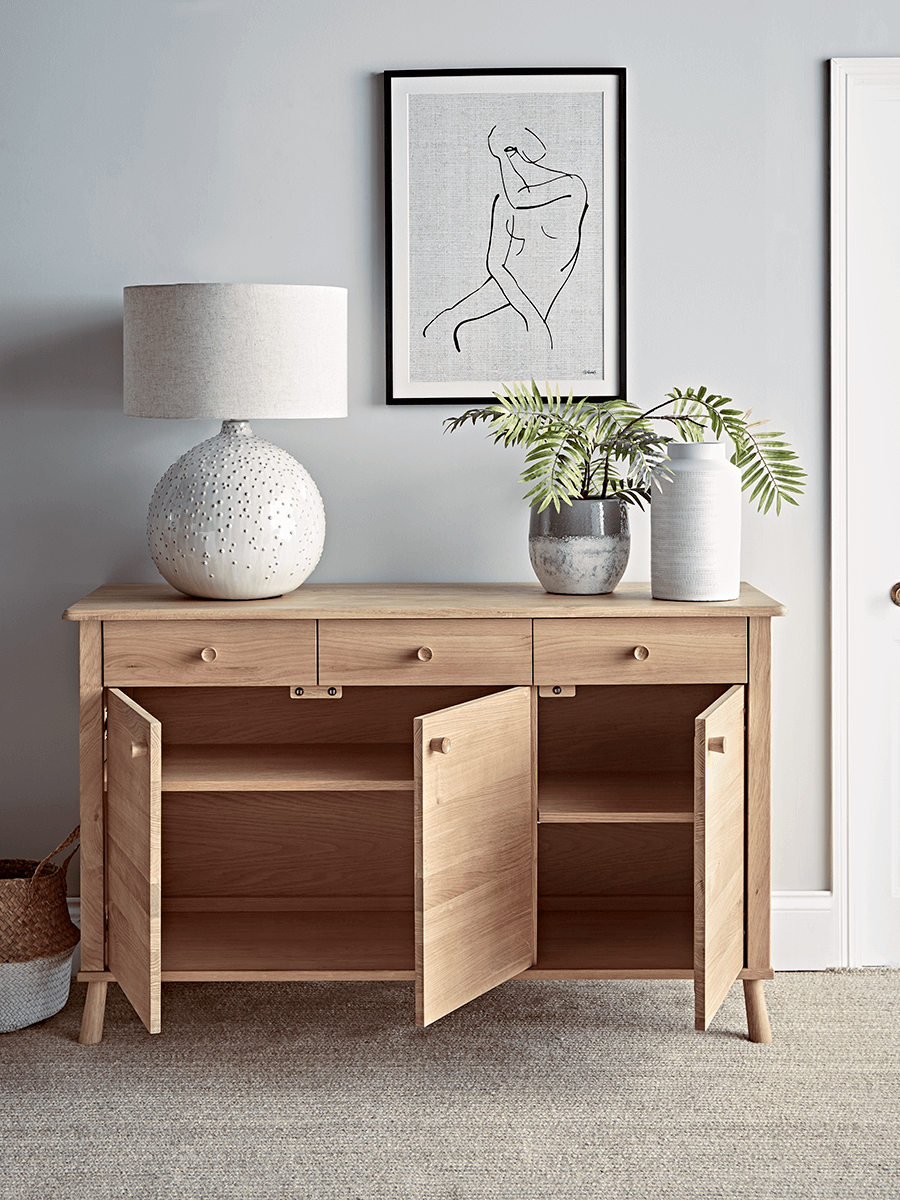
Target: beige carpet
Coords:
[(571, 1090)]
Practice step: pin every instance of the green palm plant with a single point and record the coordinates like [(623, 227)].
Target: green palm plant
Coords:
[(611, 448)]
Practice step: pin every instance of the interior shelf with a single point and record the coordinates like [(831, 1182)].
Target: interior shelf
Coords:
[(319, 944), (631, 796), (287, 768), (379, 944), (660, 940)]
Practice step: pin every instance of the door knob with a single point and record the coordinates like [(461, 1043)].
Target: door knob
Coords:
[(440, 745), (895, 593)]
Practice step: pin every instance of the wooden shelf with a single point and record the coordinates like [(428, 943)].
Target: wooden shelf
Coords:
[(287, 768), (649, 797), (288, 945), (358, 944), (615, 943)]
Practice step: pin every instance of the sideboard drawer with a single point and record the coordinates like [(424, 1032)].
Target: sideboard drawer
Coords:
[(623, 650), (478, 651), (208, 653)]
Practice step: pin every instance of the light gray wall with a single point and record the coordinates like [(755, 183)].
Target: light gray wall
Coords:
[(157, 141)]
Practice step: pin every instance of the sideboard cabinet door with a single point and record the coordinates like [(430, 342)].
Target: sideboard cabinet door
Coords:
[(133, 878), (718, 852), (475, 849)]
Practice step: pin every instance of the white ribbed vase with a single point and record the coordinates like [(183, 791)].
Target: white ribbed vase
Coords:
[(695, 525), (236, 518)]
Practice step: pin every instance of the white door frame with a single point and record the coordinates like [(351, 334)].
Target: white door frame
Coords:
[(848, 864)]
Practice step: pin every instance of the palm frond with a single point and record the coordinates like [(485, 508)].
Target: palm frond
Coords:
[(582, 448)]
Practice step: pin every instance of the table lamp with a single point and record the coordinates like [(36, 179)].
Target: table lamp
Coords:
[(236, 518)]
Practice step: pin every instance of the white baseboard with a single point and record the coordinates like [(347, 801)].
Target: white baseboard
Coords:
[(805, 931)]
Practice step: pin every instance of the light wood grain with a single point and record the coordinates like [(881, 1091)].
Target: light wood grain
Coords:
[(240, 976), (530, 973), (613, 652), (615, 729), (758, 1027), (283, 768), (615, 903), (209, 653), (475, 829), (338, 845), (620, 939), (617, 859), (718, 855), (236, 903), (323, 944), (648, 796), (534, 829), (291, 848), (94, 1010), (267, 715), (759, 789), (340, 601), (493, 652), (91, 787), (133, 855)]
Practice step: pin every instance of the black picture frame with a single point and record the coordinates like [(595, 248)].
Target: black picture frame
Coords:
[(501, 266)]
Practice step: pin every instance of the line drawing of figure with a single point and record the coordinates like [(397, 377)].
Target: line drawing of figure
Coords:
[(534, 243)]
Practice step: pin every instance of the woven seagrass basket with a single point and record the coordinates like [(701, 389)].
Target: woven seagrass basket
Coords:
[(37, 939)]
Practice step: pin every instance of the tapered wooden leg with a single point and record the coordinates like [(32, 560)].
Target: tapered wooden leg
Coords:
[(757, 1018), (94, 1008)]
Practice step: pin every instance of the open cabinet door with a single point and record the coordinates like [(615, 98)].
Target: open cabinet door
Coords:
[(718, 852), (476, 831), (133, 818)]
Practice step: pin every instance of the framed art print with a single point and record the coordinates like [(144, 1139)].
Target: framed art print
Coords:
[(505, 232)]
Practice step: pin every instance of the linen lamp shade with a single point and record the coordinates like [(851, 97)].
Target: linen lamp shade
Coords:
[(244, 350), (236, 518)]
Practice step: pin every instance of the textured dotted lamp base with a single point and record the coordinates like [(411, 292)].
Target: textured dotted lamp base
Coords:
[(236, 518)]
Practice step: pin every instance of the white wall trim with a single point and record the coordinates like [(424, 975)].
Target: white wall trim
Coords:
[(805, 932), (841, 69), (802, 901), (849, 862)]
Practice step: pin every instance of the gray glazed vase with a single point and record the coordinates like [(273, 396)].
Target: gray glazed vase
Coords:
[(582, 549)]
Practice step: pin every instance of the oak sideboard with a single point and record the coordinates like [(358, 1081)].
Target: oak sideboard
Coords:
[(456, 784)]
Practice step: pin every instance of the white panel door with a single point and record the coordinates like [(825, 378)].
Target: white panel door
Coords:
[(866, 441)]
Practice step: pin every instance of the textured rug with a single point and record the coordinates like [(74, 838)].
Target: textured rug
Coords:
[(539, 1089)]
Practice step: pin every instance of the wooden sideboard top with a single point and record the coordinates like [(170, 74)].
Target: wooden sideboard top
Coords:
[(360, 601)]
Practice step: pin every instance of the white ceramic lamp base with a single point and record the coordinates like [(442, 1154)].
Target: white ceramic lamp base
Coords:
[(236, 518)]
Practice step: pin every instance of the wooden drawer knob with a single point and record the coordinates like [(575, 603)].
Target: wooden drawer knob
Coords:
[(895, 593), (139, 751), (718, 745), (641, 652), (425, 653), (440, 745), (209, 654)]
